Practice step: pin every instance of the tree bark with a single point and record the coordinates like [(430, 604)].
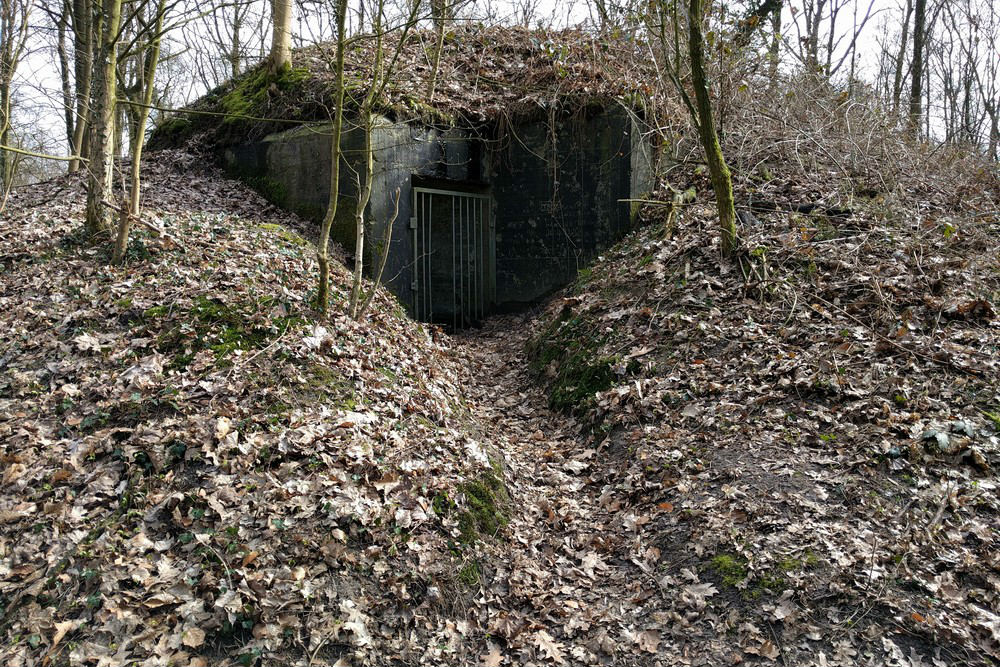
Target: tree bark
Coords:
[(773, 51), (13, 37), (322, 249), (83, 68), (100, 169), (897, 83), (722, 181), (63, 21), (917, 71), (140, 115), (281, 35), (439, 12)]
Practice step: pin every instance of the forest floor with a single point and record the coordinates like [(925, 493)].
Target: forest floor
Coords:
[(613, 561), (677, 462)]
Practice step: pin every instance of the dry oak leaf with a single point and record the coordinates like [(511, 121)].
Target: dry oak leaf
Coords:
[(765, 650), (550, 646), (193, 637), (649, 641), (494, 658), (64, 627)]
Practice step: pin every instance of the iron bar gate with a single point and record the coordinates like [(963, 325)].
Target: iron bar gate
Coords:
[(453, 256)]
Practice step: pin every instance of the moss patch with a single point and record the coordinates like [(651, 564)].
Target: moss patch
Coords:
[(242, 103), (210, 324), (470, 574), (732, 569), (285, 234), (485, 510), (573, 345), (251, 95)]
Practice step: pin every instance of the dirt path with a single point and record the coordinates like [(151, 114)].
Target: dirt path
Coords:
[(569, 592)]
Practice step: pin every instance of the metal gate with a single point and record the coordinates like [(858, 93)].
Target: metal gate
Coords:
[(453, 256)]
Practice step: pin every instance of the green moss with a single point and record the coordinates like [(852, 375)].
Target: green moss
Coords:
[(330, 386), (442, 504), (486, 508), (470, 574), (223, 328), (285, 234), (272, 190), (251, 93), (731, 568), (581, 371), (172, 132), (770, 584), (156, 311)]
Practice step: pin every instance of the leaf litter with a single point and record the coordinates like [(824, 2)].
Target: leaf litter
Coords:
[(198, 471)]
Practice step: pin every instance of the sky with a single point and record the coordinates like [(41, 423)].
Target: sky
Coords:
[(40, 115)]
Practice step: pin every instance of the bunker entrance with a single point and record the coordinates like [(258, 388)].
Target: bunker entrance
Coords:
[(454, 250)]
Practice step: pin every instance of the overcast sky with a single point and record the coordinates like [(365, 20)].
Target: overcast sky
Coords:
[(40, 114)]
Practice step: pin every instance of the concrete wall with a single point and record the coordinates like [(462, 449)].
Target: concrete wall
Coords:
[(558, 190), (557, 209), (292, 169)]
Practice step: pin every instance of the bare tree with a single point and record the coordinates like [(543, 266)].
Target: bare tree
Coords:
[(323, 246), (150, 30), (722, 181), (225, 38), (822, 46), (666, 27), (917, 70), (84, 45), (13, 38), (381, 72), (900, 61)]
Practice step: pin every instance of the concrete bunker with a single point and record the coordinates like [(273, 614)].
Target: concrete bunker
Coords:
[(484, 223), (491, 195)]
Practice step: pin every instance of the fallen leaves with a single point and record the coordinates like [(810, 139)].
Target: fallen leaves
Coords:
[(191, 460), (551, 649)]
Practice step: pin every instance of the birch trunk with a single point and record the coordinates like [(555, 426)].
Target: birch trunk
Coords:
[(102, 117)]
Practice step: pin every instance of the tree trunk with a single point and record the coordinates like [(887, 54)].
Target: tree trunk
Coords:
[(83, 56), (917, 71), (364, 196), (14, 29), (812, 39), (100, 169), (722, 181), (6, 161), (63, 25), (897, 83), (322, 249), (236, 48), (439, 12), (140, 115), (773, 51), (281, 35)]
